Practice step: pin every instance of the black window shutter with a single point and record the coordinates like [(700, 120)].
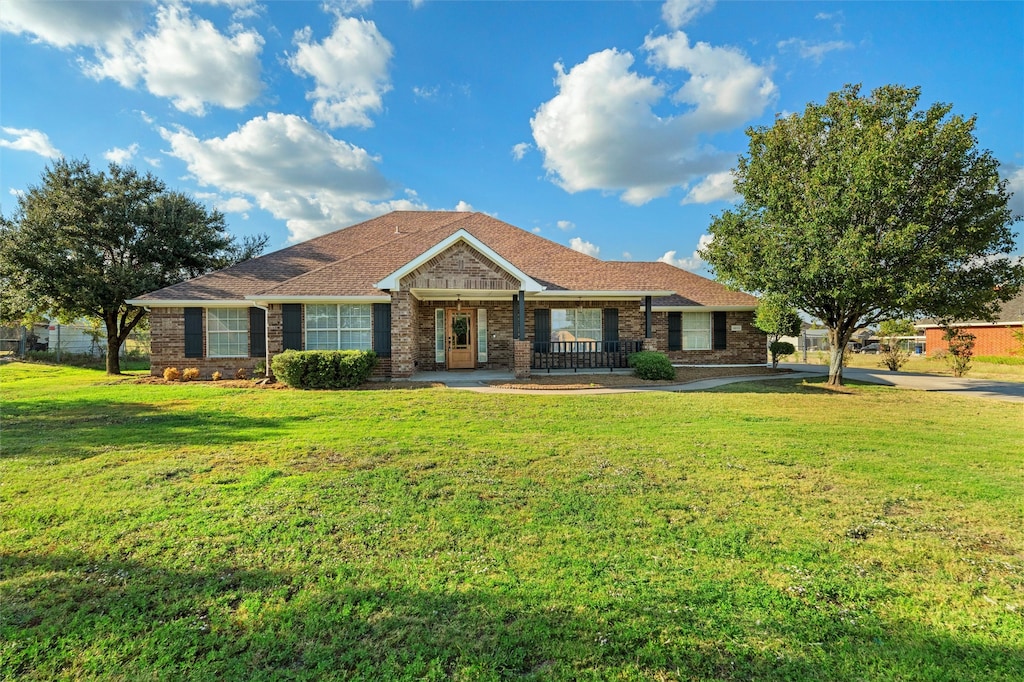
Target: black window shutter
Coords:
[(718, 331), (541, 329), (193, 332), (611, 329), (257, 333), (291, 326), (382, 329), (675, 331)]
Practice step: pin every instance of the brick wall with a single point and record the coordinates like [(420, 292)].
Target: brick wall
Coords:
[(994, 340), (499, 333), (746, 347), (167, 327), (460, 267)]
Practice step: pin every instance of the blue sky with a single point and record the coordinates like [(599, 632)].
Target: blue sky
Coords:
[(609, 127)]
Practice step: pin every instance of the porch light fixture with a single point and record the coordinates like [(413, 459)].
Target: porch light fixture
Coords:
[(458, 302)]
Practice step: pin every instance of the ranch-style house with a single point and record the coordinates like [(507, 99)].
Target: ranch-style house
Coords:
[(438, 290)]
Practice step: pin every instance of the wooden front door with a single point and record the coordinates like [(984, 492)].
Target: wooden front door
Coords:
[(461, 339)]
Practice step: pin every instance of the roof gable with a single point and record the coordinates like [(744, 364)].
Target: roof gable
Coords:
[(420, 266)]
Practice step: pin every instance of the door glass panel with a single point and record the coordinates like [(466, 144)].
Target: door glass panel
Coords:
[(460, 330)]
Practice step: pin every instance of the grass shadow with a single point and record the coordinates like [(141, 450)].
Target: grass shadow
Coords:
[(225, 622), (80, 428)]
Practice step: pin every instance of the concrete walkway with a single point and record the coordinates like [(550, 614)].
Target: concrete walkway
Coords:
[(976, 388)]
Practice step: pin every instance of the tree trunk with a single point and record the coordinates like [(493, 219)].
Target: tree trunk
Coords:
[(113, 354), (113, 343), (837, 341)]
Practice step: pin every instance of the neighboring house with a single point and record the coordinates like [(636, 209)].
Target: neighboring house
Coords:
[(431, 290), (991, 338)]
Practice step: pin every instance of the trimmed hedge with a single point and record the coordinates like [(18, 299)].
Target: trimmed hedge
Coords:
[(652, 366), (323, 368)]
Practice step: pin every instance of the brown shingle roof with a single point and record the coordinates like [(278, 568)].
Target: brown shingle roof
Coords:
[(348, 262)]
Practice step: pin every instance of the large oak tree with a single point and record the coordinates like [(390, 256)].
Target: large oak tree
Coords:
[(863, 209), (82, 242)]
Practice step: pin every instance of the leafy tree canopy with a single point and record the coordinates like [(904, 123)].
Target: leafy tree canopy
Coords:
[(863, 208), (82, 242)]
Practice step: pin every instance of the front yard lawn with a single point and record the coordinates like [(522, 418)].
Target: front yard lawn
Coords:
[(768, 531)]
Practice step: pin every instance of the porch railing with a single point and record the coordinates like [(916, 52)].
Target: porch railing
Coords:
[(577, 355)]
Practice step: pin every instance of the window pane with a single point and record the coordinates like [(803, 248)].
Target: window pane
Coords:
[(561, 326), (581, 325), (321, 316), (228, 334), (696, 331), (356, 340), (322, 340)]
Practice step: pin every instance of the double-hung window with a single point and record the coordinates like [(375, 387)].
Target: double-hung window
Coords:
[(696, 331), (344, 326), (227, 332), (581, 326)]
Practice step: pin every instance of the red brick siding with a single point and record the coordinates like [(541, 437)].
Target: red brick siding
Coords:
[(167, 328), (746, 347), (460, 267), (994, 340), (499, 333)]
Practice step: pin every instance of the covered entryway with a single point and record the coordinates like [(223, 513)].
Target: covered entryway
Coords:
[(461, 336)]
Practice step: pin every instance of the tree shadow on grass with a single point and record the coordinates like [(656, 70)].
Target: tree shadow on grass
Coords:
[(70, 615), (77, 429), (798, 386)]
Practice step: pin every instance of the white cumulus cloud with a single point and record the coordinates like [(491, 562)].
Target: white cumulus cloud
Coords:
[(187, 60), (693, 262), (813, 51), (678, 13), (600, 131), (28, 140), (577, 244), (299, 174), (565, 225), (350, 69), (120, 155), (1014, 176), (464, 207), (520, 150), (66, 24), (715, 187)]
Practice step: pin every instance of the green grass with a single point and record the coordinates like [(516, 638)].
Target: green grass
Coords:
[(771, 530)]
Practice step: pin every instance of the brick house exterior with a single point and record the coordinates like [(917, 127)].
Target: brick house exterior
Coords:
[(990, 338), (434, 290)]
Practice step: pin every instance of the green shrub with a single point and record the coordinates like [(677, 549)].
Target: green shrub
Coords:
[(780, 349), (323, 368), (652, 366)]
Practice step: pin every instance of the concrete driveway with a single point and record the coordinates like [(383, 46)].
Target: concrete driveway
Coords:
[(976, 388)]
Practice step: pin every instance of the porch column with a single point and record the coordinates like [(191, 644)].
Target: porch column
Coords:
[(403, 336), (647, 318), (515, 317), (522, 315)]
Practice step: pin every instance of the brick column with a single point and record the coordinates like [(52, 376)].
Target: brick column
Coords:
[(403, 334), (275, 335), (522, 353)]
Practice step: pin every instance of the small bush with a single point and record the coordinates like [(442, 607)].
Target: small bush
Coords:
[(172, 374), (190, 373), (241, 374), (780, 349), (652, 366), (323, 368), (216, 376)]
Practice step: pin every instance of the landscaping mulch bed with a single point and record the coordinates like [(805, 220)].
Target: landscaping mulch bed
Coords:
[(625, 378)]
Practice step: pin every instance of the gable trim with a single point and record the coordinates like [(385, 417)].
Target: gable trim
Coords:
[(700, 308), (393, 281)]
